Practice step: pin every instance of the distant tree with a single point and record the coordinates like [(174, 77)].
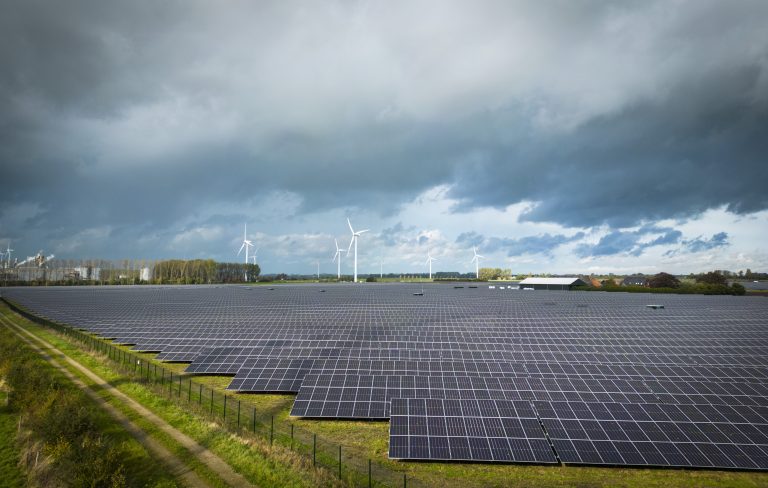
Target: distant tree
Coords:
[(663, 280), (490, 273), (370, 279), (738, 289), (608, 282), (712, 278)]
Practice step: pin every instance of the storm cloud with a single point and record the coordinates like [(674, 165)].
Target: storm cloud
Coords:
[(129, 121)]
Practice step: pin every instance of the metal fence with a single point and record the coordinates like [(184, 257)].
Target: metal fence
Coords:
[(238, 416)]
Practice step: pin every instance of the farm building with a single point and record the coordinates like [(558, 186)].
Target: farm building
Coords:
[(635, 281), (551, 283)]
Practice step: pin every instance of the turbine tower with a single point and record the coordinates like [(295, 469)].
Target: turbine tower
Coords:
[(246, 244), (429, 262), (476, 260), (355, 235), (337, 256), (8, 252)]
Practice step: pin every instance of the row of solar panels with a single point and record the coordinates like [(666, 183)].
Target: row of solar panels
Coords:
[(705, 436)]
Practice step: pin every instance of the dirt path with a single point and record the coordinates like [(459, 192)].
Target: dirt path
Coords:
[(178, 467)]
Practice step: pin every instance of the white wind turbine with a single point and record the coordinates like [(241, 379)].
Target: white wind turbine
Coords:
[(7, 253), (355, 235), (429, 262), (337, 257), (246, 244), (476, 260)]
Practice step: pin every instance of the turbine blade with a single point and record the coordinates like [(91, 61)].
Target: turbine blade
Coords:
[(241, 249), (350, 243), (337, 245), (361, 231), (350, 225)]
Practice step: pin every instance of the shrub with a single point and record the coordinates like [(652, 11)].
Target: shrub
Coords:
[(663, 280), (738, 289)]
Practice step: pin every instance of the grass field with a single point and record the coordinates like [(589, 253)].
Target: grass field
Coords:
[(370, 440), (11, 475), (260, 464)]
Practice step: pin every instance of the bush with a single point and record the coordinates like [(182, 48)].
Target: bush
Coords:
[(738, 289), (663, 280), (712, 278), (58, 421)]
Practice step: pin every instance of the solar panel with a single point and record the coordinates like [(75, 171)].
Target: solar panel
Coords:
[(467, 430), (702, 436), (351, 351)]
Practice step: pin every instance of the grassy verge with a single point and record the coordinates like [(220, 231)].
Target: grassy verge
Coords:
[(10, 473), (59, 432), (255, 460), (370, 440)]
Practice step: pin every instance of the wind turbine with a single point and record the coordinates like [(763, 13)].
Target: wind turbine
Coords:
[(246, 245), (8, 252), (476, 260), (429, 262), (338, 256), (355, 235)]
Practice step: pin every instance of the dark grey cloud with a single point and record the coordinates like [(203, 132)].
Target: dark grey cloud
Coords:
[(629, 242), (700, 244), (538, 244), (134, 117), (470, 239)]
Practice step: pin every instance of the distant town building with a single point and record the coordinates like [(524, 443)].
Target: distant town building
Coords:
[(635, 281), (551, 283), (87, 273)]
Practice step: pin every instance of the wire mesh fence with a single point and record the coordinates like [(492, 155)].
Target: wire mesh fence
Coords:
[(236, 415)]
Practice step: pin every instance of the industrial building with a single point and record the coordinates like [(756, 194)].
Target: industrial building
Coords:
[(551, 283)]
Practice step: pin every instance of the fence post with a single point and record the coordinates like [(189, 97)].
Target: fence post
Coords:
[(238, 415), (170, 383), (291, 436), (314, 449), (225, 410), (339, 461), (370, 479), (179, 393), (271, 429), (211, 401), (253, 420), (200, 397), (189, 392), (405, 481)]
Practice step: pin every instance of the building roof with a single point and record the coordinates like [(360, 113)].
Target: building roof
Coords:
[(550, 281), (635, 279)]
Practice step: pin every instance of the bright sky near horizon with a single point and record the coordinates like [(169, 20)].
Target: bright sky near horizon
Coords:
[(560, 136)]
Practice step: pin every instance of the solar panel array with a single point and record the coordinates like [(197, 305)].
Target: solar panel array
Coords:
[(492, 375)]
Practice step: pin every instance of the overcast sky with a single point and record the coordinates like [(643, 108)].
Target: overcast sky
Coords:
[(556, 136)]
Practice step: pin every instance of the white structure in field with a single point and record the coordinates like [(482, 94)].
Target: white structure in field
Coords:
[(476, 259), (551, 283), (355, 235), (246, 245), (337, 258), (429, 262)]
